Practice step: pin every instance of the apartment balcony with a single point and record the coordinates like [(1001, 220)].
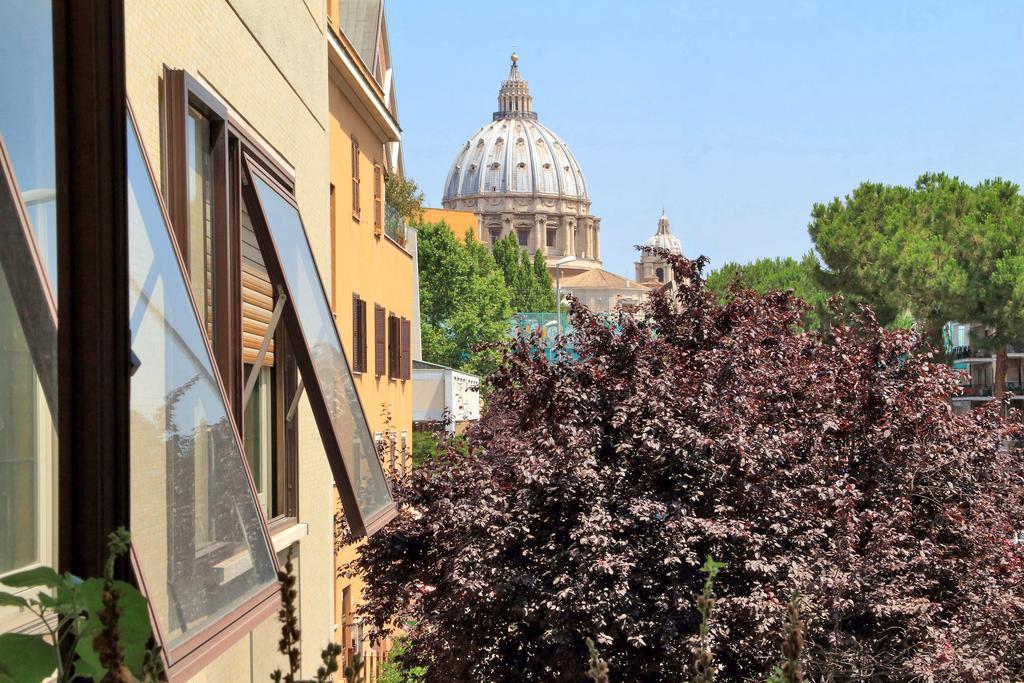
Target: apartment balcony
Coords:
[(394, 224)]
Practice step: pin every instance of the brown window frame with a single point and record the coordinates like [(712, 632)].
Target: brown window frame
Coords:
[(378, 200), (180, 91), (192, 654), (321, 411), (356, 206), (380, 353), (358, 334)]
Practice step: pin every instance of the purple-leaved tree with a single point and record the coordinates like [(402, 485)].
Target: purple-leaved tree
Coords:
[(595, 487)]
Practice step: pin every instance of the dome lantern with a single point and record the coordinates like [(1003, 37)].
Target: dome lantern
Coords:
[(514, 99)]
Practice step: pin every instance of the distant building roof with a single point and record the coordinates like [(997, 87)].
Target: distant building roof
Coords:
[(596, 278), (360, 20)]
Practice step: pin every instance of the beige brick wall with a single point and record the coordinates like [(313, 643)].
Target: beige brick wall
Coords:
[(267, 60)]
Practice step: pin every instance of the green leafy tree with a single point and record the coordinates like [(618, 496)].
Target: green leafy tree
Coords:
[(528, 283), (777, 275), (941, 250), (464, 302), (545, 296)]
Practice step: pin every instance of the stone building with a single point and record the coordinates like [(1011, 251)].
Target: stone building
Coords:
[(654, 270), (518, 177)]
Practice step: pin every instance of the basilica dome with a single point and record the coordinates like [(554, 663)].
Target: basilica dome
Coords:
[(654, 270), (664, 239), (520, 178), (515, 154)]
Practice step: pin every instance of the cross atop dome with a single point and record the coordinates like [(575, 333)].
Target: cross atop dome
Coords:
[(514, 101)]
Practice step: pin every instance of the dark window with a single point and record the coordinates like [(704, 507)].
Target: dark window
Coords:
[(660, 274), (379, 341), (358, 334), (552, 233), (394, 347), (524, 238), (495, 235)]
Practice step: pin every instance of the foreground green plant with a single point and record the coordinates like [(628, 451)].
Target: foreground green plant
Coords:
[(96, 629), (395, 670)]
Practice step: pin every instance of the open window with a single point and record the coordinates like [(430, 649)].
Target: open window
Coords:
[(204, 553), (326, 374)]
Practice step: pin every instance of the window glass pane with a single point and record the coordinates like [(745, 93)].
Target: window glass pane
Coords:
[(195, 522), (332, 369), (27, 440), (258, 434), (28, 258), (26, 116), (200, 214)]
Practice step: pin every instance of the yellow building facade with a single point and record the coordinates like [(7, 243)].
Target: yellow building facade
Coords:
[(372, 284), (459, 221), (263, 63)]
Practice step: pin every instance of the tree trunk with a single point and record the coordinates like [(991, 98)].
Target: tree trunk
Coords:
[(999, 381)]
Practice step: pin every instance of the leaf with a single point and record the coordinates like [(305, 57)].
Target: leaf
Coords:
[(25, 658), (9, 600), (133, 626), (37, 576)]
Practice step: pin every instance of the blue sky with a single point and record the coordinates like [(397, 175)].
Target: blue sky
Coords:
[(736, 116)]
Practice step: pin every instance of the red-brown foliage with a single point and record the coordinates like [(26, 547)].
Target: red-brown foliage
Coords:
[(596, 486)]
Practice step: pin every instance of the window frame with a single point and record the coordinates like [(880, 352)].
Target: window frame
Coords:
[(325, 425), (195, 652), (181, 91)]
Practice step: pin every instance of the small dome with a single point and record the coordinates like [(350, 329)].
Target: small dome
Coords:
[(515, 153), (664, 239)]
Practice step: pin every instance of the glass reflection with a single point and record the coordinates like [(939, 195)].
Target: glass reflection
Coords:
[(26, 117), (28, 332), (332, 370), (195, 522), (27, 433)]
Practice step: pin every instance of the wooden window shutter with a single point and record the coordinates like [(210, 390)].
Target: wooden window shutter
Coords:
[(378, 201), (257, 295), (379, 348), (406, 349), (355, 177)]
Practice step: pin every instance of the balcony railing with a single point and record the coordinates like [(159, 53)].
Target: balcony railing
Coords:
[(394, 224)]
